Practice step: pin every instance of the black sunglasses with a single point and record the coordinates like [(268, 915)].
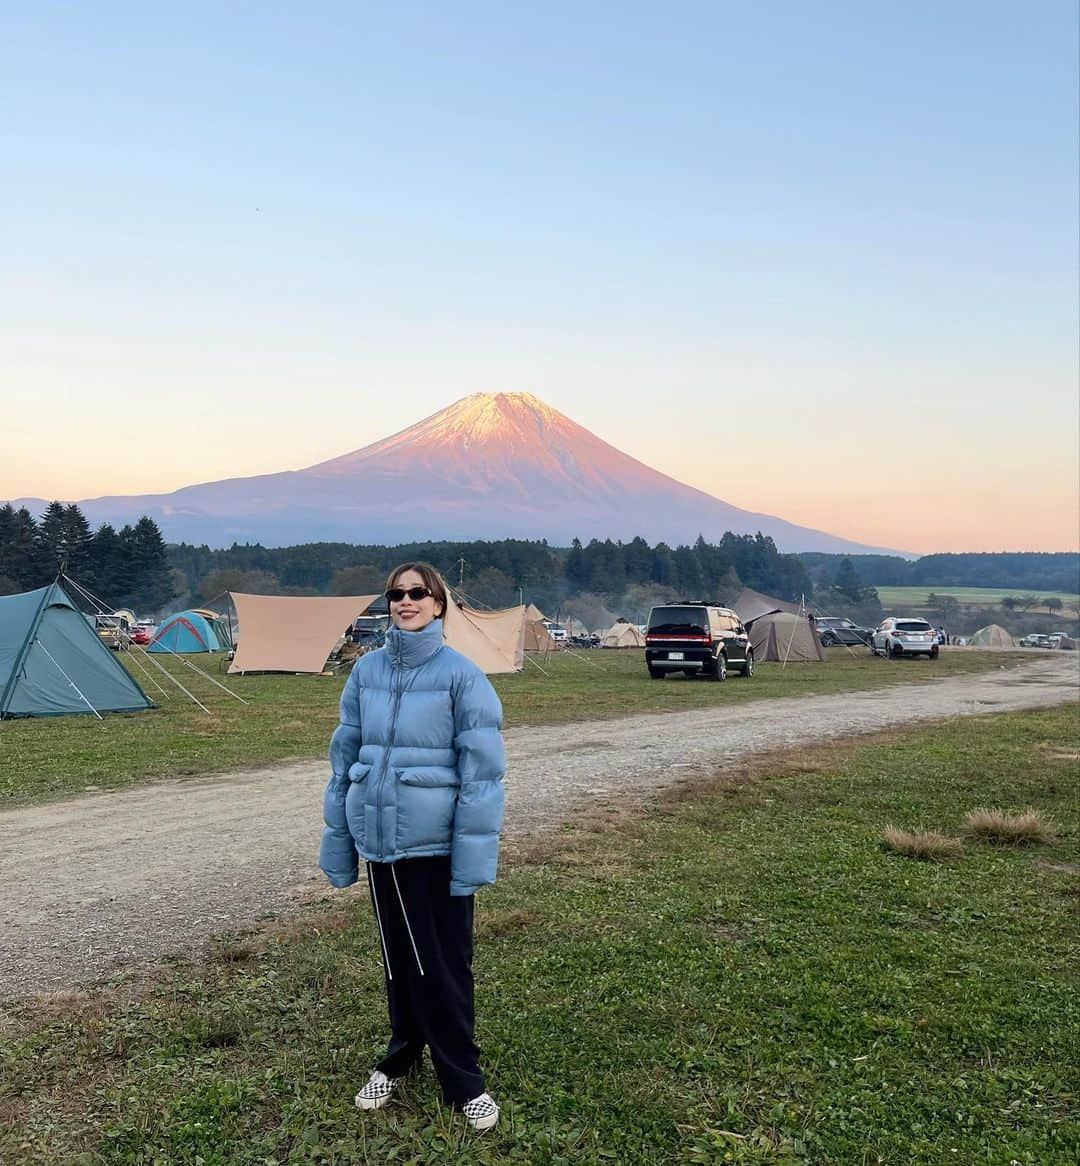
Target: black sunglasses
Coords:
[(397, 594)]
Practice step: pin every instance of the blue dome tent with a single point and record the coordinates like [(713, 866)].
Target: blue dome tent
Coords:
[(190, 631)]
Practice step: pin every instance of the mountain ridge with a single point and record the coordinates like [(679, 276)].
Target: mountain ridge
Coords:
[(491, 465)]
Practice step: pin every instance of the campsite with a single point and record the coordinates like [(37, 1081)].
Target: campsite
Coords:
[(233, 1057)]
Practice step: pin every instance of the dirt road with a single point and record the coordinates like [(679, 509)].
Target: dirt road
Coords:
[(122, 880)]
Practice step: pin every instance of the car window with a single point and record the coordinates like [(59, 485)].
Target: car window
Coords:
[(912, 625), (688, 620)]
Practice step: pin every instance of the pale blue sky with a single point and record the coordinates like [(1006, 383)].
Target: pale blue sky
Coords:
[(846, 222)]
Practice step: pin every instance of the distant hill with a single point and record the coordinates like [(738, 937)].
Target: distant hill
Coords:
[(490, 466), (1009, 570)]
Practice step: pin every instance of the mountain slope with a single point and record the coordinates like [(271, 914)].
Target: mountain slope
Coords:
[(492, 465)]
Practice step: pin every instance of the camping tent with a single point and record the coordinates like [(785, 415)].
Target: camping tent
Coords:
[(190, 631), (291, 633), (783, 636), (492, 640), (750, 605), (538, 638), (992, 636), (622, 634), (52, 661)]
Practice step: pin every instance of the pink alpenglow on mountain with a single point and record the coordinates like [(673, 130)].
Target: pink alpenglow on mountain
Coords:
[(490, 466)]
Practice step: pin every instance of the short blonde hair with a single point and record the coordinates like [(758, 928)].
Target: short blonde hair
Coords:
[(432, 581)]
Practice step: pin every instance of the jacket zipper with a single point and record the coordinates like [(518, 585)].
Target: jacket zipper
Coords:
[(399, 674)]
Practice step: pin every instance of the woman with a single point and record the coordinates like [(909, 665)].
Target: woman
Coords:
[(416, 790)]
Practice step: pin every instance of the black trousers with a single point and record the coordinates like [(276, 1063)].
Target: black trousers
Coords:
[(427, 946)]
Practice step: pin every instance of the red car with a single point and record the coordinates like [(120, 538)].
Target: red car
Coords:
[(140, 634)]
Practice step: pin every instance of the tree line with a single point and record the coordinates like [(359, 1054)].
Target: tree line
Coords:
[(125, 568), (1021, 571), (599, 577)]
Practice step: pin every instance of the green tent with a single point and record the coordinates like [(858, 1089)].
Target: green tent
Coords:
[(52, 661)]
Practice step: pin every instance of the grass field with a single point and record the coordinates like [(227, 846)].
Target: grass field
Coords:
[(741, 976), (974, 597), (293, 716)]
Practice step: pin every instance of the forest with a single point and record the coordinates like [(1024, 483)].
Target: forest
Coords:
[(134, 567)]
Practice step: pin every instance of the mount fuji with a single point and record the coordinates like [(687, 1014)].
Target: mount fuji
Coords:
[(490, 466)]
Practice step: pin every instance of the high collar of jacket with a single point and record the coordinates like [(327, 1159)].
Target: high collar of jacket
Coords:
[(411, 649)]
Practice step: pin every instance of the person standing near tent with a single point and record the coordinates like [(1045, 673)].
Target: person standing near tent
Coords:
[(416, 790)]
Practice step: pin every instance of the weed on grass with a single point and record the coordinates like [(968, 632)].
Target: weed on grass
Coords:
[(927, 845), (1000, 828)]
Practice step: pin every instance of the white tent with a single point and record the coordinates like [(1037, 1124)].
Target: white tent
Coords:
[(622, 634), (992, 636)]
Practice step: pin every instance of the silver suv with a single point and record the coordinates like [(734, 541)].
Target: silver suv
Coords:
[(697, 639), (904, 637)]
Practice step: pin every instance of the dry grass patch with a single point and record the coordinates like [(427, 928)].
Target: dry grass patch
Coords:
[(1027, 828), (927, 845)]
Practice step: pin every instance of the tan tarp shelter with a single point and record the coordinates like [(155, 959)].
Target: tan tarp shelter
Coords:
[(622, 635), (750, 605), (992, 636), (538, 638), (291, 633), (533, 614), (493, 640), (783, 636)]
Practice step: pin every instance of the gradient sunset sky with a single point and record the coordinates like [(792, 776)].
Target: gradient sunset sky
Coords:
[(818, 260)]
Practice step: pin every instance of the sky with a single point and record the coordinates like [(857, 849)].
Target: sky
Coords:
[(820, 261)]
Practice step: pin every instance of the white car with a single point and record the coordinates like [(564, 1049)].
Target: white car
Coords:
[(904, 637)]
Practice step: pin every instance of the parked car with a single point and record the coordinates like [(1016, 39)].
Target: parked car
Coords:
[(114, 630), (142, 633), (904, 637), (696, 639), (557, 632), (1036, 640), (833, 630)]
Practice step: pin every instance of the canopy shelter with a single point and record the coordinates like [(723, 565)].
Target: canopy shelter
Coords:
[(992, 636), (533, 614), (52, 661), (493, 640), (750, 605), (191, 631), (538, 638), (785, 637), (622, 634), (291, 633)]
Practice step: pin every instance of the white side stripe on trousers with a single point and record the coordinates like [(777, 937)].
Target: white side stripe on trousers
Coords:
[(378, 918), (407, 926)]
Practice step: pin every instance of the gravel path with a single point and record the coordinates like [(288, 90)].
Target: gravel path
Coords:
[(120, 881)]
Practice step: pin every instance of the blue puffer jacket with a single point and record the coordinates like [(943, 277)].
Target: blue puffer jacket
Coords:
[(417, 763)]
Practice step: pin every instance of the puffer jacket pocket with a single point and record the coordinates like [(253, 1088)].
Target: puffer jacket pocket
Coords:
[(426, 799), (354, 800)]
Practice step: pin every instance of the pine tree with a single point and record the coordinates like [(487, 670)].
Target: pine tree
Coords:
[(153, 585), (77, 540), (105, 559), (52, 537)]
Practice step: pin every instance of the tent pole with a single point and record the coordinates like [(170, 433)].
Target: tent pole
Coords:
[(82, 695), (190, 695), (791, 638), (536, 664), (196, 668)]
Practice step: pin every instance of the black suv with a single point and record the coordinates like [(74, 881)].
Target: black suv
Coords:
[(697, 639), (833, 630)]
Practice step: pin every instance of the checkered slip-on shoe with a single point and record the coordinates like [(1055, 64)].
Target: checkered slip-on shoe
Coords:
[(377, 1092), (481, 1113)]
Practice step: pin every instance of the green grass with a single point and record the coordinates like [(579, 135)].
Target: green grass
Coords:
[(974, 597), (745, 975), (292, 717)]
